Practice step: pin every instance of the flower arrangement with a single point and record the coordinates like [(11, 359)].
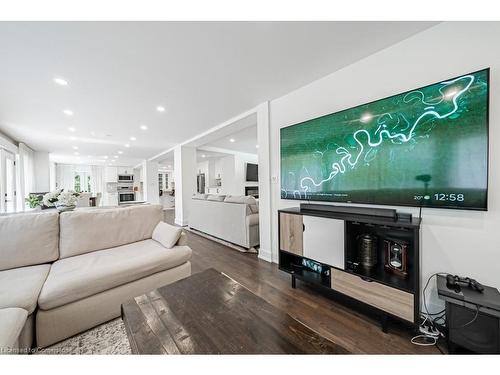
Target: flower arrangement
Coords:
[(62, 200)]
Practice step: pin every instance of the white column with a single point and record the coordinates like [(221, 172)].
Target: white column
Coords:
[(265, 212), (185, 181), (151, 193), (42, 171)]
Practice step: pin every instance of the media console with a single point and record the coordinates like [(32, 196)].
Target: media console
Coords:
[(371, 256)]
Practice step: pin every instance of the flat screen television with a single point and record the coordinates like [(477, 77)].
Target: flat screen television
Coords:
[(425, 147), (252, 172)]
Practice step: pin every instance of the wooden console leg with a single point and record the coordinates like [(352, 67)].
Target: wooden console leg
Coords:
[(293, 282)]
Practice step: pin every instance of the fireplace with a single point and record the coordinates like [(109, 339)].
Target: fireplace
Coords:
[(252, 190)]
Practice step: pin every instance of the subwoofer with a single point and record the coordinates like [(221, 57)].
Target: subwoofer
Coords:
[(367, 250)]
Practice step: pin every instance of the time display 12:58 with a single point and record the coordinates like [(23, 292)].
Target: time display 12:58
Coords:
[(452, 197)]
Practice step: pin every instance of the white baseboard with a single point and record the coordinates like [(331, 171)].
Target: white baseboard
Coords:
[(265, 255)]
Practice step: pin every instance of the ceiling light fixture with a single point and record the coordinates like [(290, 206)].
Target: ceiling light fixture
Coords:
[(115, 156), (76, 153), (203, 156), (73, 138), (68, 112), (127, 145), (92, 134), (232, 140), (120, 152), (105, 156), (61, 81), (75, 147), (133, 138), (143, 127), (160, 108), (72, 129), (256, 146)]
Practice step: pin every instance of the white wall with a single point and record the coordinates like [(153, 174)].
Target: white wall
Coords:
[(185, 181), (42, 171), (461, 242)]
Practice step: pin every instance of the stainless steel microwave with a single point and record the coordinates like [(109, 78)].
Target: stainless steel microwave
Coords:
[(125, 178)]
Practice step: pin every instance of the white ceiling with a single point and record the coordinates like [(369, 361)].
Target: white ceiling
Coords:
[(202, 72), (245, 140)]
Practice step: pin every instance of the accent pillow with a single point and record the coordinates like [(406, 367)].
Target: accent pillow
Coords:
[(167, 235), (217, 198)]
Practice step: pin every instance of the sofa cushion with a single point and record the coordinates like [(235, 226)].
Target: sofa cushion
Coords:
[(216, 198), (240, 199), (20, 287), (200, 196), (28, 239), (84, 231), (167, 235), (11, 324), (75, 278)]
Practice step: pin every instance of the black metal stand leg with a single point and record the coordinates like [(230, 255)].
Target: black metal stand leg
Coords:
[(384, 323), (293, 282)]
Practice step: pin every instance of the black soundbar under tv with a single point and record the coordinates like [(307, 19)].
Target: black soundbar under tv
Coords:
[(381, 212)]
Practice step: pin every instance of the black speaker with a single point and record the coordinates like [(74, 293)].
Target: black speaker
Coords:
[(478, 334)]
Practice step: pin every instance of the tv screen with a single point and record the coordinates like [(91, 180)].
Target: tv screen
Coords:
[(425, 147), (252, 172)]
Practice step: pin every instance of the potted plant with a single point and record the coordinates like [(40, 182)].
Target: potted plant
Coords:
[(61, 200), (34, 201)]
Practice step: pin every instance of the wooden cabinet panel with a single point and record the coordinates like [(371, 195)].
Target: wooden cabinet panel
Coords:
[(391, 300), (291, 233)]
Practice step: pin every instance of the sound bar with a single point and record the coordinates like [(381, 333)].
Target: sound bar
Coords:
[(368, 211)]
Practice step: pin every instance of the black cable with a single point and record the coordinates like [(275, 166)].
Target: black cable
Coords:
[(470, 322)]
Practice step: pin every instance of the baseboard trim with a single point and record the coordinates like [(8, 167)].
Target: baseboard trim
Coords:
[(265, 255)]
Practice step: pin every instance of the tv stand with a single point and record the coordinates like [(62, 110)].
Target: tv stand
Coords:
[(321, 247)]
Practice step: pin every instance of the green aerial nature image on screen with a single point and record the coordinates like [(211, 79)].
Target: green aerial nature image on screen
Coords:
[(426, 147)]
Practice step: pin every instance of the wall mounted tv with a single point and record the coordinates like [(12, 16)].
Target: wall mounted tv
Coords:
[(425, 147), (252, 172)]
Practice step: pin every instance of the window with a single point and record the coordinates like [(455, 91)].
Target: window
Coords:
[(82, 182)]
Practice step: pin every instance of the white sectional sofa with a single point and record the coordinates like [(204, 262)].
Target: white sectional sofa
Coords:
[(231, 218), (74, 270)]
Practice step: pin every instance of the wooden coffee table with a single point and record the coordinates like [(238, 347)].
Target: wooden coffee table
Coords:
[(209, 313)]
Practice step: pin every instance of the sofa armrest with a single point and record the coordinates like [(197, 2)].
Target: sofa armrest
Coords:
[(182, 241)]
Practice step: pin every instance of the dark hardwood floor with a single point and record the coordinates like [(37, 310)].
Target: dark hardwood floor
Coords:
[(356, 331)]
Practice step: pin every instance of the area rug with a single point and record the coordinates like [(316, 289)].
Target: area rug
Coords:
[(108, 338)]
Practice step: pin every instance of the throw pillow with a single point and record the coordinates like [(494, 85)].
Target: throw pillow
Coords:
[(167, 235), (217, 198)]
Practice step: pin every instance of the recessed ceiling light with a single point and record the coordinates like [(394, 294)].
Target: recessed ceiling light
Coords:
[(160, 108), (105, 156), (133, 138), (61, 81), (203, 156), (170, 166), (75, 147), (115, 156), (120, 152), (232, 140), (72, 129), (92, 134), (143, 127), (73, 138), (256, 146), (127, 145), (76, 153), (68, 112)]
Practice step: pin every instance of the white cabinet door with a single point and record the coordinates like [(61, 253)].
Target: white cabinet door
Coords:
[(125, 170), (324, 240), (111, 174)]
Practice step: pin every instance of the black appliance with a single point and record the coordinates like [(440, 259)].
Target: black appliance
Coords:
[(125, 178), (200, 183), (126, 196), (472, 316)]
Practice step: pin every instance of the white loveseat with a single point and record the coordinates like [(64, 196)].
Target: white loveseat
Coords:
[(231, 218), (72, 271)]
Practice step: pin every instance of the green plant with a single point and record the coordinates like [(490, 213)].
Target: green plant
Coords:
[(33, 201)]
